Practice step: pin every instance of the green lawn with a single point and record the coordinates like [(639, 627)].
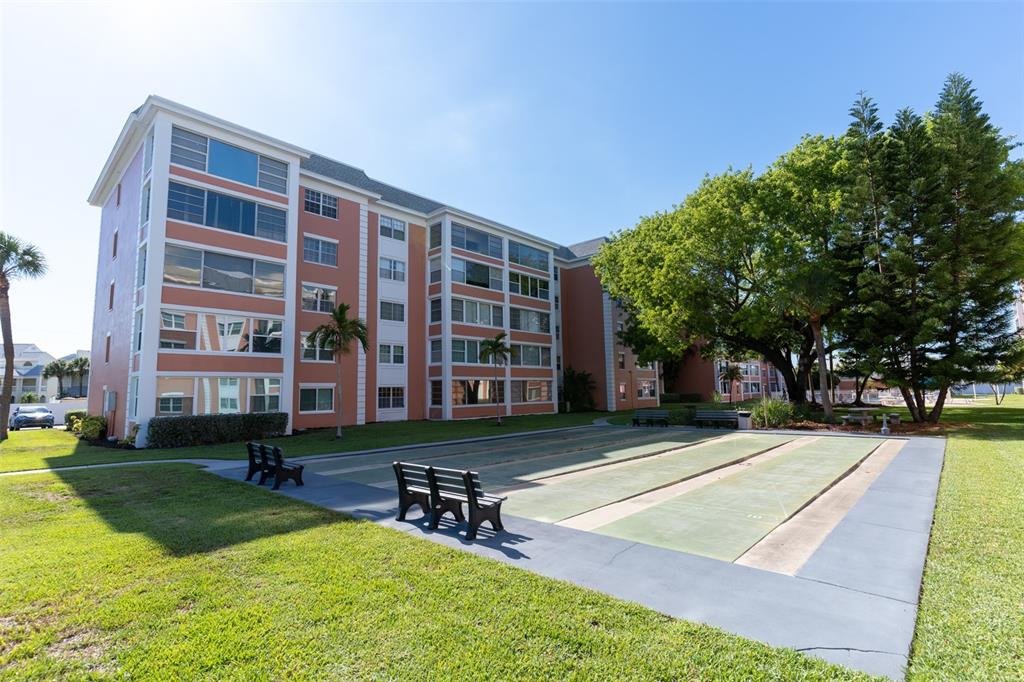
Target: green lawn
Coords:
[(39, 449), (166, 572)]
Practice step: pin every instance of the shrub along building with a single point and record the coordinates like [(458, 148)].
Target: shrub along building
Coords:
[(221, 248)]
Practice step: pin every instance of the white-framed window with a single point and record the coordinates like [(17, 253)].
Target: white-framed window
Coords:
[(314, 399), (527, 255), (313, 353), (138, 331), (645, 389), (144, 204), (392, 269), (228, 395), (477, 274), (265, 394), (523, 319), (390, 397), (322, 251), (622, 361), (622, 391), (435, 270), (392, 228), (470, 239), (435, 351), (391, 354), (531, 391), (436, 392), (172, 320), (476, 312), (435, 235), (477, 391), (435, 310), (526, 355), (392, 312), (320, 203), (225, 212), (524, 285), (222, 272), (466, 351), (227, 161), (140, 273), (318, 298), (170, 405)]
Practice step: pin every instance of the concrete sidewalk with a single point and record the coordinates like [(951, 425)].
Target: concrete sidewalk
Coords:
[(854, 602)]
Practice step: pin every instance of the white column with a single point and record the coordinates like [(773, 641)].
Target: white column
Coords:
[(361, 355)]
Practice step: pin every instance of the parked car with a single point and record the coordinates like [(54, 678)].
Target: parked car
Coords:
[(24, 417)]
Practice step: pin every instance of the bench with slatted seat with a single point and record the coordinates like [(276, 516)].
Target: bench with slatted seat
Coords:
[(650, 417), (413, 487), (273, 465), (482, 507), (255, 459), (716, 417)]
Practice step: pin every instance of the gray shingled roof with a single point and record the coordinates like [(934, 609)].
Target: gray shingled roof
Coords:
[(583, 249), (351, 175)]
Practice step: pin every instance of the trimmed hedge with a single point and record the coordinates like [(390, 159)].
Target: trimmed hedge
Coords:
[(93, 428), (210, 429), (74, 414)]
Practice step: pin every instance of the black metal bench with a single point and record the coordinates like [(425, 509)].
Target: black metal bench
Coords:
[(268, 460), (445, 491), (650, 417), (716, 417)]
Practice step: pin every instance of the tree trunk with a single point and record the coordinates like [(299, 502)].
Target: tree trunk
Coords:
[(337, 434), (831, 375), (995, 392), (819, 343), (8, 387), (936, 412), (860, 386)]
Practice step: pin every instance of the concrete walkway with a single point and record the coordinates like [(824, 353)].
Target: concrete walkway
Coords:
[(854, 602)]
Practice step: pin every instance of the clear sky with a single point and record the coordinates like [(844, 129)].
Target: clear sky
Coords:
[(569, 121)]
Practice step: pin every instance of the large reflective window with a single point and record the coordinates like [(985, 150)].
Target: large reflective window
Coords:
[(227, 273), (182, 266), (232, 162)]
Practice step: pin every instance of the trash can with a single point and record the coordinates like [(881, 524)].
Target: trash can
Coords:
[(743, 420)]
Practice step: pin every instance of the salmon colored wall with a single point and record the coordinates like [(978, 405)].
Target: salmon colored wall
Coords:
[(473, 331), (372, 306), (346, 278), (123, 218), (228, 364), (533, 408), (228, 184), (416, 392), (470, 255), (459, 289), (529, 337), (695, 375), (219, 300), (526, 302), (583, 327), (223, 239)]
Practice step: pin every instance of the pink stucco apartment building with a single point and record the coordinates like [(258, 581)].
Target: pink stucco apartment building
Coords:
[(221, 248)]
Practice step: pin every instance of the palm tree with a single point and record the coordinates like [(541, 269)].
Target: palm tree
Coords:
[(339, 334), (732, 374), (57, 369), (79, 368), (17, 259), (496, 352)]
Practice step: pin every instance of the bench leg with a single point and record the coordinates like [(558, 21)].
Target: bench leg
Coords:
[(477, 515), (439, 508), (279, 478), (406, 502), (298, 476), (636, 422), (253, 468)]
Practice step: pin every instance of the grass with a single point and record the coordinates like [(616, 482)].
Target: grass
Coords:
[(41, 449), (167, 572)]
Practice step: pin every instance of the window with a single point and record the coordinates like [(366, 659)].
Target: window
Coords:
[(227, 273), (475, 312), (392, 269), (169, 320), (269, 279), (318, 299), (133, 396), (622, 391), (227, 395), (476, 274), (391, 354), (392, 228), (531, 391), (147, 159), (314, 353), (106, 351), (435, 351), (393, 312), (117, 199), (751, 386), (466, 351), (435, 235), (527, 255), (265, 395), (435, 310), (556, 273), (525, 320), (558, 363), (138, 331), (435, 270), (224, 212), (477, 392), (530, 356), (140, 272), (228, 161), (316, 399), (390, 397), (171, 405), (321, 204), (524, 285), (319, 251), (436, 392), (113, 247), (645, 389), (144, 205), (622, 361), (558, 331), (267, 335), (110, 300), (469, 239), (557, 302)]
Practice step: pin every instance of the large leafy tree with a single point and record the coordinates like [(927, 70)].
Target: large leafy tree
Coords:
[(941, 243), (705, 272), (338, 335), (497, 352), (17, 260)]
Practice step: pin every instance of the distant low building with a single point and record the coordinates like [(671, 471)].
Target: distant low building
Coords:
[(702, 376), (29, 361)]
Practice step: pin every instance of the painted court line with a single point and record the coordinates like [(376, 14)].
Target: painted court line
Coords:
[(618, 510), (787, 548)]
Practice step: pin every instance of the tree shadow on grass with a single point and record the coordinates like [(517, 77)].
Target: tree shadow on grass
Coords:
[(186, 510)]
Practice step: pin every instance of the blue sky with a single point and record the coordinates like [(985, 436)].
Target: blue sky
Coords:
[(569, 121)]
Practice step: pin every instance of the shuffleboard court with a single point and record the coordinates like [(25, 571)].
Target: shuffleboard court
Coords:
[(502, 465), (724, 519), (602, 486)]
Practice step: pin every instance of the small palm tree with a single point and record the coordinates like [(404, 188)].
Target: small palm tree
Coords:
[(732, 374), (496, 352), (57, 369), (79, 368), (338, 334), (17, 259)]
